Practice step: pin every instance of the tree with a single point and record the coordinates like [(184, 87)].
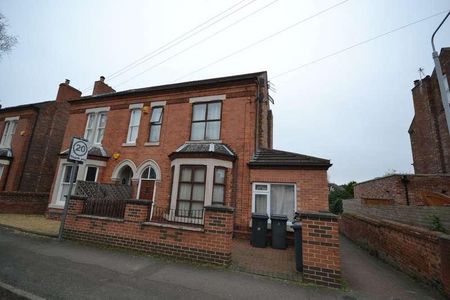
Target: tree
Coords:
[(336, 196), (7, 42)]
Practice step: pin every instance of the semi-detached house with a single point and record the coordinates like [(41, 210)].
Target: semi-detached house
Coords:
[(190, 145)]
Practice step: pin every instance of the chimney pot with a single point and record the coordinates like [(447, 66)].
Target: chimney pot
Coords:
[(67, 81), (416, 82), (102, 78)]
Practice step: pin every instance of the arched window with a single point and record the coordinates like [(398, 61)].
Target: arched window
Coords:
[(148, 173)]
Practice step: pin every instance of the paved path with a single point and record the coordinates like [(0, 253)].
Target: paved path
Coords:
[(67, 270)]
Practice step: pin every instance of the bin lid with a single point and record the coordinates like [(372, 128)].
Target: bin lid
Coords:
[(260, 216), (278, 217)]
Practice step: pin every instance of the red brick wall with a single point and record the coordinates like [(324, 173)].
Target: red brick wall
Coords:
[(416, 251), (23, 203), (392, 188), (430, 139), (210, 243), (321, 258)]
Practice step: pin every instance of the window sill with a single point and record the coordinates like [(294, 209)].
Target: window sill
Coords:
[(204, 141), (151, 144), (129, 145), (58, 206)]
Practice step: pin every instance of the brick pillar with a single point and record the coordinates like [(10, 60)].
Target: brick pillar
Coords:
[(219, 222), (137, 210), (134, 188), (321, 260), (444, 245), (76, 205)]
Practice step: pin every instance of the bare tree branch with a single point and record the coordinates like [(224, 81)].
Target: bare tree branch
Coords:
[(7, 42)]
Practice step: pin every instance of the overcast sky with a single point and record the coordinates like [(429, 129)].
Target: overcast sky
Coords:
[(353, 108)]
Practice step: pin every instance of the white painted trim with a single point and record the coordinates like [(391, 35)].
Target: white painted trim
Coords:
[(207, 98), (151, 144), (210, 164), (158, 103), (129, 144), (12, 118), (97, 109), (136, 105), (4, 162)]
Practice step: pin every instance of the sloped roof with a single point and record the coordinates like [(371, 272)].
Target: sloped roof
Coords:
[(204, 150), (93, 151), (271, 158)]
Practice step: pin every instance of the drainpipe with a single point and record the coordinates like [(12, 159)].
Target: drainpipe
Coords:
[(405, 182), (440, 76)]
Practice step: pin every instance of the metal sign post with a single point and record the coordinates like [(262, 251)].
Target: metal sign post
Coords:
[(77, 155)]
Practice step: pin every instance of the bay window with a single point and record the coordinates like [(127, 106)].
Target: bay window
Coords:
[(274, 198), (191, 190), (206, 119)]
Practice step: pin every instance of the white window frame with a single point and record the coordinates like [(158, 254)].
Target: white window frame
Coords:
[(130, 125), (86, 171), (96, 113), (267, 192), (8, 131), (447, 88)]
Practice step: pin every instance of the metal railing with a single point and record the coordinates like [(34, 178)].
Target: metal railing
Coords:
[(184, 216), (111, 208)]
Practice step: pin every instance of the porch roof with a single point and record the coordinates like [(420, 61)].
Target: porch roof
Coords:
[(277, 159), (93, 152), (217, 150)]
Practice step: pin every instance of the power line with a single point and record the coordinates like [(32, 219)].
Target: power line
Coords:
[(197, 43), (188, 34), (357, 44), (264, 39)]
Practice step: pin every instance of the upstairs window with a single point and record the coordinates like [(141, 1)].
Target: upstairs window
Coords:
[(206, 119), (8, 132), (156, 123), (133, 128), (95, 127), (446, 88)]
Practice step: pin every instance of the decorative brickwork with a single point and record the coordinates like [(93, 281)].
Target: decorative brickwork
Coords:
[(421, 253), (321, 260), (391, 189), (210, 243), (23, 203)]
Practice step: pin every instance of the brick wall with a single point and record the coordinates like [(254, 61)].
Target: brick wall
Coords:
[(321, 259), (430, 139), (23, 203), (420, 216), (392, 188), (210, 243), (418, 252)]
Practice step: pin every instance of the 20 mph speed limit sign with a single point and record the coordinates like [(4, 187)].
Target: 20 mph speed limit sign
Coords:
[(78, 149)]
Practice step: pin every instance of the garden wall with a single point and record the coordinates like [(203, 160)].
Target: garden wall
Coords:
[(210, 243), (27, 203)]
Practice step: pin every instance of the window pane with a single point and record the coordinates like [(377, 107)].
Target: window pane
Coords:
[(183, 208), (156, 115), (218, 193), (99, 136), (186, 174), (91, 173), (198, 112), (282, 200), (261, 187), (90, 121), (199, 175), (88, 135), (219, 176), (102, 120), (67, 171), (145, 173), (185, 191), (196, 207), (135, 117), (261, 204), (198, 192), (214, 111), (212, 130), (154, 133), (198, 131), (152, 173), (133, 134)]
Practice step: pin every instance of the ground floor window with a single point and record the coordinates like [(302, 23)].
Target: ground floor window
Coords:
[(147, 183), (274, 198), (1, 170), (191, 190), (65, 182), (91, 174)]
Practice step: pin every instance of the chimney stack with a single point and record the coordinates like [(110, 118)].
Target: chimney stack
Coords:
[(67, 92), (100, 87)]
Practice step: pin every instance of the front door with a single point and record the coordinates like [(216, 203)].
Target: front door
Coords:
[(146, 190)]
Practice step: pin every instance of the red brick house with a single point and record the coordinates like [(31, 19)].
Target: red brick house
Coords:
[(188, 145), (31, 138)]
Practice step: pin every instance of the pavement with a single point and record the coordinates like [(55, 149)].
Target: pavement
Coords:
[(42, 267)]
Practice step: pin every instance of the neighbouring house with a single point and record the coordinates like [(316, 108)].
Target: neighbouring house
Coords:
[(31, 139), (192, 154), (430, 144)]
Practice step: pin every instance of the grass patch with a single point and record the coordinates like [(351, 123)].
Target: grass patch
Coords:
[(32, 223)]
